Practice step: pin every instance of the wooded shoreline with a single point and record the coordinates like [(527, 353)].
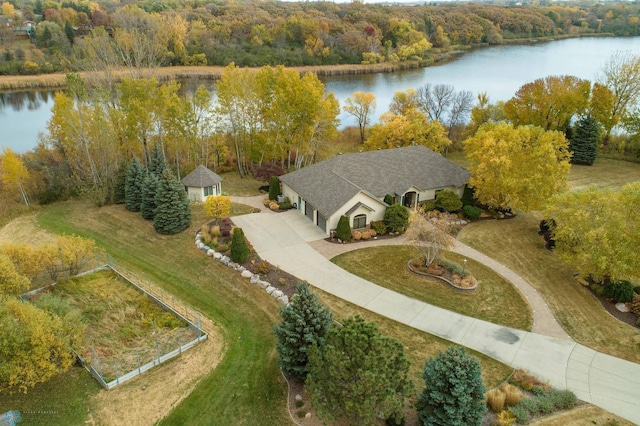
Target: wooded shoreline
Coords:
[(58, 81)]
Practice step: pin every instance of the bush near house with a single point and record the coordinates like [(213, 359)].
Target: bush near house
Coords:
[(239, 247), (396, 218), (379, 226), (448, 200), (471, 212), (274, 188), (343, 230)]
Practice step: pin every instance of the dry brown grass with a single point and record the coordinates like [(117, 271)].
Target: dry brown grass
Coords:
[(25, 230), (495, 400), (151, 396), (604, 173), (512, 394), (583, 415), (516, 244)]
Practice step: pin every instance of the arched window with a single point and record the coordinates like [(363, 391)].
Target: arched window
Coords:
[(360, 221)]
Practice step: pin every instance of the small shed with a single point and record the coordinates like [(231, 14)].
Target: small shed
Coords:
[(201, 183)]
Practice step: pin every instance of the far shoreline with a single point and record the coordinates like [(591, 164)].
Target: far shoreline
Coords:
[(19, 83)]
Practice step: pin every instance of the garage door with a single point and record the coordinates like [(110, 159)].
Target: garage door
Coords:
[(322, 223), (308, 211)]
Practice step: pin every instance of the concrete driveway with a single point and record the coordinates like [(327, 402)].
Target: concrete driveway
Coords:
[(611, 383)]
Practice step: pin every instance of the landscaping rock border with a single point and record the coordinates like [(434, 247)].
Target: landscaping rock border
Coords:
[(277, 294), (455, 287)]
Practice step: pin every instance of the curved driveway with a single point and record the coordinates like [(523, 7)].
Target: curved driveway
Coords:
[(611, 383)]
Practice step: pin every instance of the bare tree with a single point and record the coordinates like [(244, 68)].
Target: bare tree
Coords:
[(430, 233), (435, 101), (460, 109)]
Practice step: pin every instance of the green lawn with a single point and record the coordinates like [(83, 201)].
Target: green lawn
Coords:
[(60, 401), (246, 387), (495, 300)]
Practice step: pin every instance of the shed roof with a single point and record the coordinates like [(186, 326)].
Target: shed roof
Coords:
[(328, 185), (201, 177)]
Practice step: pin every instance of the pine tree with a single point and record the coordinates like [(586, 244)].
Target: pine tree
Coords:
[(343, 230), (172, 212), (149, 192), (584, 141), (68, 31), (119, 188), (157, 163), (133, 186), (359, 375), (454, 393), (239, 248), (304, 321)]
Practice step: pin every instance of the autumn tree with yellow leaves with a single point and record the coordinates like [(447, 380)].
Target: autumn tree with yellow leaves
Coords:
[(517, 167)]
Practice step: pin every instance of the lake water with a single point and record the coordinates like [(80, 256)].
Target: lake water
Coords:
[(498, 70)]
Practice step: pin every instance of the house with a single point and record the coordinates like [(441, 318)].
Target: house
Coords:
[(355, 185), (201, 183)]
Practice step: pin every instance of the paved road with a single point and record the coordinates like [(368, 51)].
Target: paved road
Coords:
[(611, 383)]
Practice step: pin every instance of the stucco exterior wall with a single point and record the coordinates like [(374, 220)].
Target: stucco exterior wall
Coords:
[(377, 214)]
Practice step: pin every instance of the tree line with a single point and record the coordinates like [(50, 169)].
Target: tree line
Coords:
[(77, 34)]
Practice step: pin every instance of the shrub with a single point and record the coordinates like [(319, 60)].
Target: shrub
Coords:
[(266, 202), (266, 171), (215, 230), (636, 289), (454, 393), (373, 232), (621, 291), (379, 226), (512, 394), (530, 405), (468, 196), (396, 217), (521, 413), (285, 206), (448, 200), (356, 235), (472, 212), (263, 267), (388, 199), (428, 205), (366, 235), (505, 418), (239, 248), (263, 188), (546, 404), (564, 399), (343, 230), (274, 187), (223, 248), (495, 400), (273, 205)]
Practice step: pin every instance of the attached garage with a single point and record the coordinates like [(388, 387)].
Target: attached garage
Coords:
[(308, 211), (322, 223)]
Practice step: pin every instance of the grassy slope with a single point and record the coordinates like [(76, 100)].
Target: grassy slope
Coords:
[(496, 300), (246, 387)]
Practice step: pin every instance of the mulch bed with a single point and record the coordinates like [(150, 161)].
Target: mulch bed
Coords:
[(626, 317), (376, 238)]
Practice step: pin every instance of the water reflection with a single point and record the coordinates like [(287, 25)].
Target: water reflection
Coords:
[(29, 100)]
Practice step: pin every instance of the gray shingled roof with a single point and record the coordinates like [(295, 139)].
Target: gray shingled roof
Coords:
[(331, 183), (201, 177)]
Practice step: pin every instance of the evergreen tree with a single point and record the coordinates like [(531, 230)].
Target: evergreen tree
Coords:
[(172, 213), (119, 190), (133, 186), (396, 217), (304, 321), (454, 393), (274, 187), (584, 141), (157, 163), (343, 230), (239, 247), (358, 375), (149, 192), (68, 31)]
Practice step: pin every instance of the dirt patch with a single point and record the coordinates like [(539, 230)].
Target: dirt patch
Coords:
[(151, 396), (25, 230)]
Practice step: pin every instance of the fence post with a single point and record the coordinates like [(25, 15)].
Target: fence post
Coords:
[(199, 326)]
